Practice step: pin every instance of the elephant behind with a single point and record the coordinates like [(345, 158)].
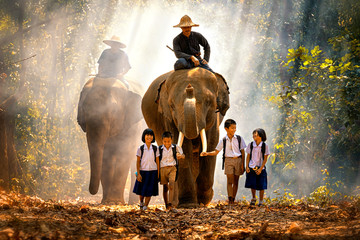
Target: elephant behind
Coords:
[(109, 113), (191, 104)]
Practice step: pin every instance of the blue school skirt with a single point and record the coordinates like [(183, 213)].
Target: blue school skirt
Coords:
[(149, 185), (257, 182)]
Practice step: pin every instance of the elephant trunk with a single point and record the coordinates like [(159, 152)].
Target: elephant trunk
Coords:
[(96, 138), (191, 130)]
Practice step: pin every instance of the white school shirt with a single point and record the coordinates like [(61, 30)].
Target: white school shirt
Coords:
[(256, 157), (232, 147), (168, 157), (147, 163)]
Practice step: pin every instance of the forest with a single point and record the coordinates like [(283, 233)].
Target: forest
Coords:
[(292, 67)]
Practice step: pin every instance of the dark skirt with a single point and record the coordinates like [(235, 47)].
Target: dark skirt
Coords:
[(257, 182), (149, 185)]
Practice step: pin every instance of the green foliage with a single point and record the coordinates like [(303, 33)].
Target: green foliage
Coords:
[(320, 111), (283, 198)]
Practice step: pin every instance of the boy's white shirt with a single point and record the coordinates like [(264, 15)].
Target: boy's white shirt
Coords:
[(232, 148), (256, 157), (168, 157), (147, 163)]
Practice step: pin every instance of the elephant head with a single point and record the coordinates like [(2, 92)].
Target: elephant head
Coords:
[(106, 112), (190, 99)]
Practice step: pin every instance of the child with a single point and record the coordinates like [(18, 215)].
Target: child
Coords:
[(257, 155), (233, 157), (169, 155), (147, 166)]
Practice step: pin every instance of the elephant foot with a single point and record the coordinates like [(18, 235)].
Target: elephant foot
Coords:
[(206, 197), (187, 205)]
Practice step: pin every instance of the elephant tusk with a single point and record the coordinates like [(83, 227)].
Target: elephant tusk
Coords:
[(203, 140), (180, 139)]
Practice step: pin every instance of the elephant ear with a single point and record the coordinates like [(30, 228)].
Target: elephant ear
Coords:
[(222, 99), (161, 100), (133, 103), (81, 115)]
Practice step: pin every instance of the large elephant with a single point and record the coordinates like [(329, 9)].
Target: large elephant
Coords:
[(109, 113), (191, 104)]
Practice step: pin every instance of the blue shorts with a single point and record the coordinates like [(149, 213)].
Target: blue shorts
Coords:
[(149, 185), (257, 182)]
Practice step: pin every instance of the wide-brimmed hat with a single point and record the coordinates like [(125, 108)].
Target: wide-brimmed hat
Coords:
[(114, 42), (185, 21)]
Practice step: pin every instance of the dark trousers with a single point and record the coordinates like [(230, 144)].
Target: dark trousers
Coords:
[(182, 63)]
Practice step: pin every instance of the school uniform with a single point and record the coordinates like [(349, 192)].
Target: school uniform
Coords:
[(168, 164), (148, 171), (233, 158), (254, 181)]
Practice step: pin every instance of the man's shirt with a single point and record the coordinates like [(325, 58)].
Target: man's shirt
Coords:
[(185, 47)]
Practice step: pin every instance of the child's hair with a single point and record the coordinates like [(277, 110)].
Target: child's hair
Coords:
[(148, 131), (167, 135), (261, 133), (229, 122)]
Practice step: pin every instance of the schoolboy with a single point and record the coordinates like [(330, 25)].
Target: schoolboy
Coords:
[(233, 157), (169, 155)]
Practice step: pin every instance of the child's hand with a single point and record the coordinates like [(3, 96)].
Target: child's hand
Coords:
[(203, 154), (258, 171), (247, 169), (242, 170), (180, 156), (139, 178)]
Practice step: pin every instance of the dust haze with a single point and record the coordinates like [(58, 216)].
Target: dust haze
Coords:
[(237, 53)]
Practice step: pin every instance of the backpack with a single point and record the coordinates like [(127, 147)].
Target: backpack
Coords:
[(224, 144), (173, 147), (142, 151), (262, 150)]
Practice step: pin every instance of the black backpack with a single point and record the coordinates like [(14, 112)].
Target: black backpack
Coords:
[(224, 144), (262, 150), (173, 146), (142, 151)]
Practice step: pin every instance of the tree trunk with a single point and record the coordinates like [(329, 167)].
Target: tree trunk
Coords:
[(4, 164), (8, 161)]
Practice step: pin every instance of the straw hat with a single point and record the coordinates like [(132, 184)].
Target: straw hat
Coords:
[(185, 21), (114, 42)]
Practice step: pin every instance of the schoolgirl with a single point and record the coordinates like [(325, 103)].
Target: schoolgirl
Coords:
[(257, 155), (147, 166)]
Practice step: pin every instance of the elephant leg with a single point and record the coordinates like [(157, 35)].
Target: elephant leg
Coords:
[(133, 198), (108, 171), (119, 179), (186, 183), (205, 180)]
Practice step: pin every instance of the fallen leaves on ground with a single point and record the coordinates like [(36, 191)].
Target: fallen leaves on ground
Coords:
[(24, 217)]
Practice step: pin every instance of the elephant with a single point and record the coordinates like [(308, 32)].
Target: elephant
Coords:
[(190, 103), (110, 113)]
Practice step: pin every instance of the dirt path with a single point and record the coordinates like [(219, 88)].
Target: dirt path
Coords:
[(24, 217)]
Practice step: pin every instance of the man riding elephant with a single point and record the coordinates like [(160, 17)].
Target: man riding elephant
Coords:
[(187, 47), (113, 62)]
